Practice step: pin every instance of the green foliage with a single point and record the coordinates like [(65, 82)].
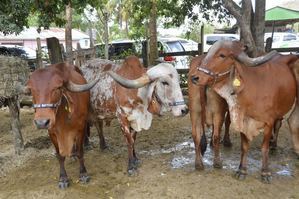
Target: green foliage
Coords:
[(14, 14)]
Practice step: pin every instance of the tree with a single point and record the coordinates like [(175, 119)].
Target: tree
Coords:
[(251, 24), (14, 15)]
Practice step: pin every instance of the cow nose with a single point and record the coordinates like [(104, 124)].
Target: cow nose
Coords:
[(194, 79), (42, 123), (185, 111)]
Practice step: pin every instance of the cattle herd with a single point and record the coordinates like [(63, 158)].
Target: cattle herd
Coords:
[(225, 87)]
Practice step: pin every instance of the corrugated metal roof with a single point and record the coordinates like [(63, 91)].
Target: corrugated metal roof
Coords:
[(279, 14), (31, 34)]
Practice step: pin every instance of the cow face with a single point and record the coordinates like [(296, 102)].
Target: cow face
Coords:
[(46, 90), (216, 65), (166, 90)]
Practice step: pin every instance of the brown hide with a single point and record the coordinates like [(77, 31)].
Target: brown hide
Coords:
[(68, 120), (206, 107), (130, 69), (257, 96)]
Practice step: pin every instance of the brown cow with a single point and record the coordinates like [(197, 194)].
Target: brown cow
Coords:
[(61, 106), (256, 96), (206, 107), (157, 90)]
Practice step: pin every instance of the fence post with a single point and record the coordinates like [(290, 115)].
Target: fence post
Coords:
[(144, 53), (54, 49), (201, 40), (39, 60)]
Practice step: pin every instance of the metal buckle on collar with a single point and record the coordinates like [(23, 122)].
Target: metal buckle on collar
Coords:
[(177, 103)]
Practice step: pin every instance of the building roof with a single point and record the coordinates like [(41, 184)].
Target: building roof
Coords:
[(282, 14), (31, 34)]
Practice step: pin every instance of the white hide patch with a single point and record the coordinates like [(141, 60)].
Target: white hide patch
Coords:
[(239, 121), (139, 117)]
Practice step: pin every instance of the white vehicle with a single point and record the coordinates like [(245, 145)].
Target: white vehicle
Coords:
[(283, 39), (166, 45), (210, 39), (189, 45)]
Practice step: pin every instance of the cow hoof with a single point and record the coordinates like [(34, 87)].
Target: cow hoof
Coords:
[(102, 148), (132, 172), (84, 178), (137, 163), (266, 177), (199, 166), (63, 183), (227, 143), (87, 147), (217, 164), (241, 174)]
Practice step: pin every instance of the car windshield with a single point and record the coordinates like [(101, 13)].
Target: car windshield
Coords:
[(175, 46)]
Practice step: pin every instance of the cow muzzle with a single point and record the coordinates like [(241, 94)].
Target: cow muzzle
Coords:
[(42, 123)]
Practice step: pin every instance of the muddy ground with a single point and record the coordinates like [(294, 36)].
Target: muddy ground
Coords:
[(167, 170)]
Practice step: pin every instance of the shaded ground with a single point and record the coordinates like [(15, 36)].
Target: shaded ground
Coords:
[(167, 169)]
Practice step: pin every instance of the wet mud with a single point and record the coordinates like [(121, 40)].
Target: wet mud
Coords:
[(167, 168)]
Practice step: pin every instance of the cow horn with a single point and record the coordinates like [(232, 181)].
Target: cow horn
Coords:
[(243, 57), (71, 86), (127, 83)]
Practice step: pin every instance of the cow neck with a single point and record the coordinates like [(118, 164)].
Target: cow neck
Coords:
[(225, 90)]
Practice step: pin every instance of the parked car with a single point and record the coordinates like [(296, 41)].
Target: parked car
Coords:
[(119, 49), (210, 39), (283, 39), (22, 52), (189, 45), (166, 45)]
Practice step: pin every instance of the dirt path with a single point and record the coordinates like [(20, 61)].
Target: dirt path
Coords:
[(167, 169)]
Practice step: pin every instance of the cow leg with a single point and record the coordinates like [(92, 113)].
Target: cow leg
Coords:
[(226, 138), (266, 174), (63, 178), (99, 126), (83, 177), (216, 141), (273, 141), (14, 110), (87, 145), (132, 168), (242, 171), (136, 160), (293, 122), (197, 138)]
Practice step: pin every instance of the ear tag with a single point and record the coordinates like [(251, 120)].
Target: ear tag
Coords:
[(236, 82), (67, 108)]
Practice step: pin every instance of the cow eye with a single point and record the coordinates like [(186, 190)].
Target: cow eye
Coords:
[(165, 83), (222, 55)]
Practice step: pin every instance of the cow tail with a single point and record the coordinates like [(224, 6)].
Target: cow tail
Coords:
[(203, 100)]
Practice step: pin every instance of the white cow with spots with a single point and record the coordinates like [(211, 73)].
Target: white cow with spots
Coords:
[(141, 94)]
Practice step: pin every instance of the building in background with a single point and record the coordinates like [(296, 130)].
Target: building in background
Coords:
[(27, 38)]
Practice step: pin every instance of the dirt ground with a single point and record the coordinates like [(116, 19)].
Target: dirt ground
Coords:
[(167, 170)]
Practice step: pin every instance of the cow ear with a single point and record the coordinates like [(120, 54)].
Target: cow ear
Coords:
[(154, 107), (237, 81)]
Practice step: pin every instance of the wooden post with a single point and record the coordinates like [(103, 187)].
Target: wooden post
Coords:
[(202, 39), (80, 58), (144, 53), (39, 60), (54, 49)]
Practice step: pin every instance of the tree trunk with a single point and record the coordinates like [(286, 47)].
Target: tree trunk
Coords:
[(243, 16), (106, 35), (90, 34), (258, 26), (68, 34), (153, 54)]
